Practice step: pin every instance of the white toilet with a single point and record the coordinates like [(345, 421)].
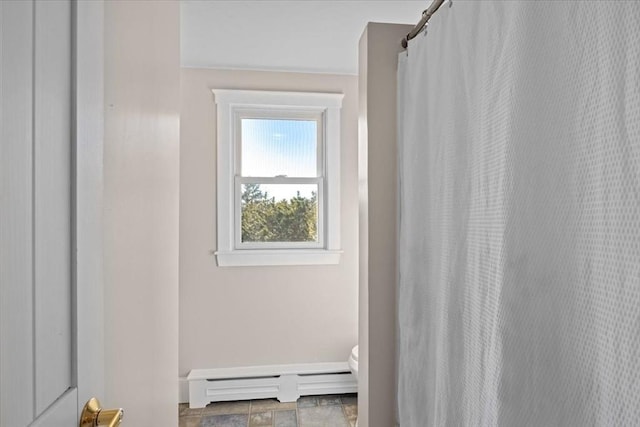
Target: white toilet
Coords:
[(353, 361)]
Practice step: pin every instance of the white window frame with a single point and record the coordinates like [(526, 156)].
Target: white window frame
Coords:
[(232, 106)]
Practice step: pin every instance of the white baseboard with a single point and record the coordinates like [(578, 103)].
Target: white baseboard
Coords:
[(283, 382), (183, 390)]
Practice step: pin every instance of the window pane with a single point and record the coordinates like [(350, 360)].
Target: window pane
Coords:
[(279, 213), (279, 147)]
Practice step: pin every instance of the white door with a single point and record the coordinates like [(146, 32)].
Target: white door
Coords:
[(50, 245)]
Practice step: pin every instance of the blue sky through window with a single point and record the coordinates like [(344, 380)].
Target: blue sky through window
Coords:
[(279, 147), (287, 191), (273, 147)]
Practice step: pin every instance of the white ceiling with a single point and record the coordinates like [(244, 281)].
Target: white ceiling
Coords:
[(295, 35)]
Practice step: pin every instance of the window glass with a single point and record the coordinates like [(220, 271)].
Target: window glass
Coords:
[(276, 147), (279, 212)]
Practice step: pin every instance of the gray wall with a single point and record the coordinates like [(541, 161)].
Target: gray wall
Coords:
[(247, 316), (378, 54), (141, 161)]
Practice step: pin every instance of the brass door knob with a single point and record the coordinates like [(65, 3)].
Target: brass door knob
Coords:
[(94, 416)]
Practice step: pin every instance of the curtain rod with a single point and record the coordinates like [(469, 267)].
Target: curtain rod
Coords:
[(426, 14)]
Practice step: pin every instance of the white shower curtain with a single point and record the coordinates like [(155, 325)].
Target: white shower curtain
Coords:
[(519, 294)]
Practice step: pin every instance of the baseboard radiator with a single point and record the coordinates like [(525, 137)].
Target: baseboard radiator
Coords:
[(283, 382)]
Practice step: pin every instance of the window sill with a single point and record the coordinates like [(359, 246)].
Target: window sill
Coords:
[(242, 258)]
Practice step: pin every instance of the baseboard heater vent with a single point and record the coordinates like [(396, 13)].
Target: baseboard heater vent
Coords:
[(283, 382)]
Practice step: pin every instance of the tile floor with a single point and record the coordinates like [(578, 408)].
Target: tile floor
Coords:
[(308, 411)]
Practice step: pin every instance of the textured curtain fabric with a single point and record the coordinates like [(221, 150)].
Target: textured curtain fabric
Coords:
[(519, 294)]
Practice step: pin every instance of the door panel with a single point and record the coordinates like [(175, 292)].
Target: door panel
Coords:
[(16, 261), (61, 412), (52, 200), (38, 316)]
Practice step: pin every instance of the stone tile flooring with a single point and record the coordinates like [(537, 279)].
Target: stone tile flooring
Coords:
[(308, 411)]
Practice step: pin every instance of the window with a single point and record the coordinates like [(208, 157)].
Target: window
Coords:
[(278, 177)]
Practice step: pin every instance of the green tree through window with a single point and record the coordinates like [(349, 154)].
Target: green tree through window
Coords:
[(266, 220)]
